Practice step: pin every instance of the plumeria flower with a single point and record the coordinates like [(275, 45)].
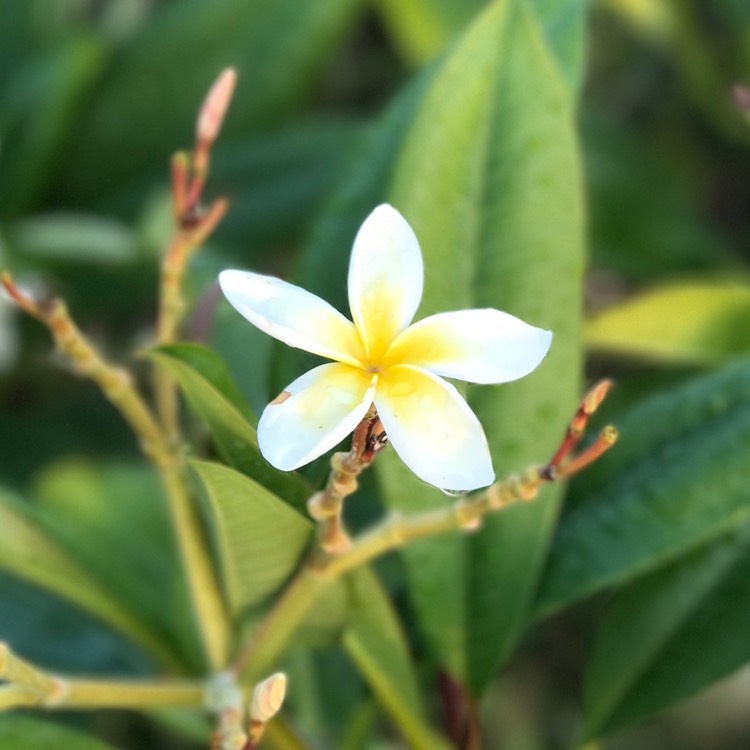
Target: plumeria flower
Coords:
[(381, 359)]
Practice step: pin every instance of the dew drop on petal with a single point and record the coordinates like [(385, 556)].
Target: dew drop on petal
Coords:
[(453, 493)]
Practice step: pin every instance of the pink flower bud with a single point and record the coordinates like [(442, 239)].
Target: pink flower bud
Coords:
[(215, 106)]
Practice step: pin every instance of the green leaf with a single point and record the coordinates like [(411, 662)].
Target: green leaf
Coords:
[(694, 323), (30, 733), (32, 554), (150, 95), (423, 28), (41, 103), (563, 23), (376, 643), (260, 539), (670, 634), (73, 237), (279, 180), (490, 152), (677, 479), (214, 397)]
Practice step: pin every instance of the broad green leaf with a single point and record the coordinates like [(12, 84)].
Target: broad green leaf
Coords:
[(31, 733), (260, 539), (423, 28), (698, 323), (670, 634), (563, 23), (149, 97), (376, 643), (492, 150), (32, 554), (677, 479), (214, 397)]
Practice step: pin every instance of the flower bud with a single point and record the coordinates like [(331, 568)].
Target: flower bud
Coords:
[(268, 698), (215, 106)]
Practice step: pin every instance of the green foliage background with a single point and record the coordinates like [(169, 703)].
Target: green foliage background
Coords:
[(582, 165)]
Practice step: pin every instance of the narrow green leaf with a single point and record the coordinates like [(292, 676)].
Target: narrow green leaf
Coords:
[(214, 397), (677, 479), (694, 323), (670, 634), (30, 733), (29, 552), (376, 643), (489, 178), (260, 539)]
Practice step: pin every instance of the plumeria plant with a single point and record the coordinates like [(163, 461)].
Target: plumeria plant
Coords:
[(385, 387), (346, 524)]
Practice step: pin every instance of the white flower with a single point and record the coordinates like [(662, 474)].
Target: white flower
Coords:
[(380, 358)]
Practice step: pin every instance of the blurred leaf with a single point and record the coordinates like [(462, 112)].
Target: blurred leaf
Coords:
[(72, 237), (690, 322), (40, 105), (671, 634), (31, 733), (677, 479), (260, 539), (146, 104), (30, 553), (277, 181), (564, 24), (377, 645), (423, 28), (214, 397), (64, 637), (490, 151), (646, 234)]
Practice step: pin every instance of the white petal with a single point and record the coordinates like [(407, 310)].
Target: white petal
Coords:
[(433, 429), (479, 346), (292, 315), (314, 413), (385, 278)]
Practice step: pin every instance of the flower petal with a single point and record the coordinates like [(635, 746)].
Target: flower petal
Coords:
[(314, 413), (385, 279), (479, 346), (292, 315), (433, 429)]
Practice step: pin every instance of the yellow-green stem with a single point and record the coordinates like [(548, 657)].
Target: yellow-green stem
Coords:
[(267, 643), (206, 595), (89, 694), (322, 568), (117, 385)]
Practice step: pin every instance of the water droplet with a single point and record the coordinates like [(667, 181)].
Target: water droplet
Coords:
[(402, 388), (453, 493)]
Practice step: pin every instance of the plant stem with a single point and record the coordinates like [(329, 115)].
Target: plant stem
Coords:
[(118, 387), (323, 566), (269, 640), (206, 595), (89, 694)]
